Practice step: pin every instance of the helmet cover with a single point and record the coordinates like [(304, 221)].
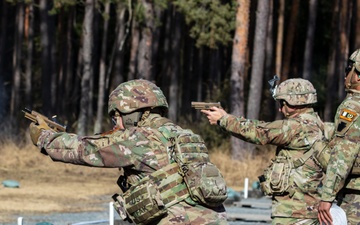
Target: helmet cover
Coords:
[(136, 94), (296, 92), (355, 58)]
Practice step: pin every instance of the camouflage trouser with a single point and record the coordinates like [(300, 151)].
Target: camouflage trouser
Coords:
[(350, 203), (183, 213), (295, 221)]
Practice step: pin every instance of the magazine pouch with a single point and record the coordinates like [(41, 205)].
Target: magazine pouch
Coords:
[(205, 183), (142, 203), (276, 178), (204, 180)]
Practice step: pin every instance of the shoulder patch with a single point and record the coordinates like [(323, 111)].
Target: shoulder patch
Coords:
[(346, 118), (348, 115)]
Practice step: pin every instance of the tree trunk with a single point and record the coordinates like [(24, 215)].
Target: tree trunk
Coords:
[(258, 60), (344, 27), (117, 56), (3, 34), (145, 46), (29, 34), (19, 32), (269, 103), (238, 70), (68, 67), (280, 39), (330, 79), (175, 66), (291, 31), (310, 36), (46, 61), (87, 61), (357, 25), (199, 72), (188, 77), (166, 52), (134, 50), (279, 47), (102, 73)]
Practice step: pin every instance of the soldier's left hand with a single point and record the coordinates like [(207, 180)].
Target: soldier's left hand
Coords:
[(35, 129), (324, 215)]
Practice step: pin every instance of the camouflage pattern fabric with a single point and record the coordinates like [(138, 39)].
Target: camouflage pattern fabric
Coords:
[(138, 150), (349, 202), (296, 91), (355, 57), (287, 221), (293, 136), (136, 94), (184, 213), (344, 148)]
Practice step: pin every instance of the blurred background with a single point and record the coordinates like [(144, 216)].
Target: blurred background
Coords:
[(64, 57)]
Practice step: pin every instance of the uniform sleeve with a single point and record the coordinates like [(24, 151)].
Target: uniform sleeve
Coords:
[(343, 155), (90, 151), (257, 132)]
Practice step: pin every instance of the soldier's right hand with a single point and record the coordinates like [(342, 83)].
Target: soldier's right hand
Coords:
[(214, 114)]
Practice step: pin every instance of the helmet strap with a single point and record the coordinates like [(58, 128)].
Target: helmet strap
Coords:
[(145, 115)]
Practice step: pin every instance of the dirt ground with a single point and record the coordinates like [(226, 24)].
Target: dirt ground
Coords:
[(47, 186), (51, 187)]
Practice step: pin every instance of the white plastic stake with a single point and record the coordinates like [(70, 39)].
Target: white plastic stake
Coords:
[(19, 221), (246, 188), (111, 213)]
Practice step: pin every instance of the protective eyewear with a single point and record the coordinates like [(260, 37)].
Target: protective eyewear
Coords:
[(349, 68), (113, 118), (282, 103)]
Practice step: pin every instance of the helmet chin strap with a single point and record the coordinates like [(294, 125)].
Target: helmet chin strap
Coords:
[(348, 84)]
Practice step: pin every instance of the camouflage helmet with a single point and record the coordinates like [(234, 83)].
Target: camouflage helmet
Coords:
[(136, 94), (355, 58), (296, 91)]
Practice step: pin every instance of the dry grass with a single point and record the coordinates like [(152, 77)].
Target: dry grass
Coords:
[(235, 171), (47, 186)]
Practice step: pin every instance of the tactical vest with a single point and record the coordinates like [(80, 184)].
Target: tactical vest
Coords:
[(180, 180), (203, 179), (276, 178)]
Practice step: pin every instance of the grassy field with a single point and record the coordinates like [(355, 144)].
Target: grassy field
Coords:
[(47, 186)]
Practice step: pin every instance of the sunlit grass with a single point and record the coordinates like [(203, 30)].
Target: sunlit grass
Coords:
[(236, 171)]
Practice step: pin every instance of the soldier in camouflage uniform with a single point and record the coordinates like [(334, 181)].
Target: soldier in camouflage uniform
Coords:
[(136, 145), (294, 137), (342, 180)]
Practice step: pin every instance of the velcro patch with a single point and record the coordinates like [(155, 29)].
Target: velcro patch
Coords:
[(347, 115)]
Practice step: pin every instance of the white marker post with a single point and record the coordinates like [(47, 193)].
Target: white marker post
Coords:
[(111, 213), (19, 221), (246, 188)]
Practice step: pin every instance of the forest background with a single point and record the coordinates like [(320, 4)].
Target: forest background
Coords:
[(64, 57)]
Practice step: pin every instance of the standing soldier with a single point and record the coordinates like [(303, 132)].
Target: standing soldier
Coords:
[(343, 170), (164, 165), (294, 177)]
